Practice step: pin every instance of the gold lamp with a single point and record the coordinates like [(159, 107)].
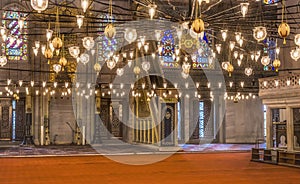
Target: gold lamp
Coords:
[(283, 28), (57, 42), (110, 29), (276, 64)]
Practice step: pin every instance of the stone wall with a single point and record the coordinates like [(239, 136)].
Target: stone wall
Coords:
[(61, 112), (244, 121)]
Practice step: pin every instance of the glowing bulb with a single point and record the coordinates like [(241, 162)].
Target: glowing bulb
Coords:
[(224, 34), (84, 5), (79, 20), (152, 9), (244, 8)]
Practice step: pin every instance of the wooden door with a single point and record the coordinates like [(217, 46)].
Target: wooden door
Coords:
[(5, 119), (19, 119)]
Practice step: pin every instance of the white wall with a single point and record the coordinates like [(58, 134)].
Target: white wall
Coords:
[(244, 121)]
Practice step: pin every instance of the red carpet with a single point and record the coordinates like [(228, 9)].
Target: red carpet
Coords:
[(180, 168)]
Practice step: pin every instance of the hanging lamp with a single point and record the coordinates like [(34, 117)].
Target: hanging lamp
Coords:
[(283, 28), (39, 5), (110, 30), (57, 42)]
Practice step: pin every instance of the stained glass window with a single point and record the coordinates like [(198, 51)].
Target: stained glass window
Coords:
[(270, 1), (271, 51), (201, 119), (168, 44), (105, 45), (202, 57), (15, 46)]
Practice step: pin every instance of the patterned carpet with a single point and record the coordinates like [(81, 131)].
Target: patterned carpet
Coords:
[(15, 150)]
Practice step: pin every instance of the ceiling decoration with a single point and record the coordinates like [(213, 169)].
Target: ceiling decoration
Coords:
[(236, 34)]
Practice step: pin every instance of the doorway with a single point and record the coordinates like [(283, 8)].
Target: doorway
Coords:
[(12, 119)]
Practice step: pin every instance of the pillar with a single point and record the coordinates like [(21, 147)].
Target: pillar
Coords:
[(96, 139), (28, 138), (289, 129), (269, 126)]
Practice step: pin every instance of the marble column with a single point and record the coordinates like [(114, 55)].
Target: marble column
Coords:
[(96, 139), (28, 138), (289, 129), (269, 126)]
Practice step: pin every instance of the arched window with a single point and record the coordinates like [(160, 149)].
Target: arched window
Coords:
[(202, 57), (168, 43), (15, 47)]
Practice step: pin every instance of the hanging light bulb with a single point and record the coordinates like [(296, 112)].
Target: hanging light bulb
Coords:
[(230, 84), (231, 45), (84, 5), (152, 9), (241, 42), (37, 44), (257, 55), (136, 70), (224, 34), (110, 63), (242, 84), (218, 48), (239, 61), (43, 49), (63, 61), (146, 65), (84, 58), (120, 71), (55, 84), (3, 60), (97, 68), (248, 71), (39, 5), (244, 8), (44, 84), (57, 68), (241, 56), (277, 50), (93, 52), (295, 54), (276, 64), (260, 33), (110, 31), (74, 51), (284, 31), (238, 36), (20, 83), (88, 42), (35, 50), (21, 22), (32, 83), (49, 34), (235, 54), (79, 19), (225, 65), (130, 35), (252, 56), (230, 69), (186, 67), (8, 82), (265, 60)]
